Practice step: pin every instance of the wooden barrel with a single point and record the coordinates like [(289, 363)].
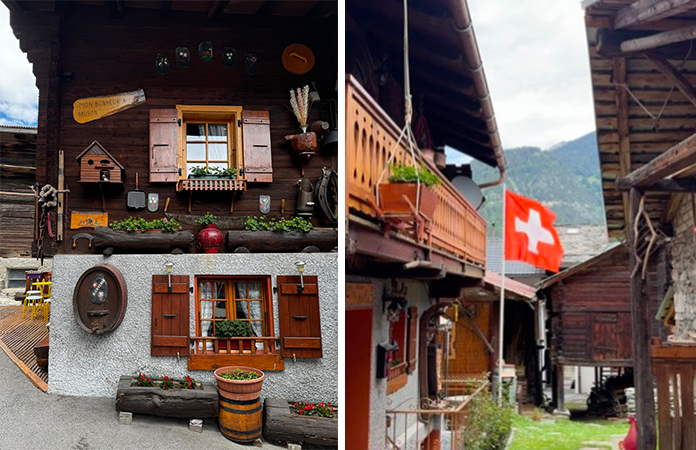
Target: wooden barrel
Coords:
[(240, 420)]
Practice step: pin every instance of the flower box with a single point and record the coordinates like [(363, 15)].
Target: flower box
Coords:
[(392, 199), (281, 424), (183, 403)]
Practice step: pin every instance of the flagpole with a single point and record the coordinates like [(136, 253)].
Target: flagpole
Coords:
[(501, 322)]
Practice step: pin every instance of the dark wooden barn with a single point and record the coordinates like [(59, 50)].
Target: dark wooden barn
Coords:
[(589, 306), (17, 201)]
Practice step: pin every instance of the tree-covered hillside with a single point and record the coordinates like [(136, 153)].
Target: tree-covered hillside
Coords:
[(565, 178)]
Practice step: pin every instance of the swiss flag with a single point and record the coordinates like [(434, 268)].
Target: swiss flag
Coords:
[(529, 233)]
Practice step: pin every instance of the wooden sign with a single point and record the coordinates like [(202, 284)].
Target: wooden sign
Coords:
[(94, 108), (88, 219)]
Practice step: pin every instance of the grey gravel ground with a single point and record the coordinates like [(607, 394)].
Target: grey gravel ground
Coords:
[(31, 419)]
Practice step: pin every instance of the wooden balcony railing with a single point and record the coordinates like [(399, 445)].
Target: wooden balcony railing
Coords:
[(209, 352), (457, 228), (674, 368), (396, 377)]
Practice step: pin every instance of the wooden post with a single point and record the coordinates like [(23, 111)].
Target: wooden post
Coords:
[(560, 392), (645, 402)]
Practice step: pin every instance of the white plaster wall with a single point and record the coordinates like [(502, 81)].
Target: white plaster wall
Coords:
[(684, 270), (88, 365), (407, 396)]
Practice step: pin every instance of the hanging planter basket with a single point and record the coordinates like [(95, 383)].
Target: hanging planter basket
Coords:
[(399, 199)]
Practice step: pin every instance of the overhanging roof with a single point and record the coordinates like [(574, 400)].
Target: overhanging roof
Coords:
[(445, 65), (640, 112)]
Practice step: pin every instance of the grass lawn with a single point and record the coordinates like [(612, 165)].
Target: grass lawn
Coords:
[(563, 434)]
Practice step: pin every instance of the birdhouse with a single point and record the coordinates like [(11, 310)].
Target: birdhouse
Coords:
[(98, 166)]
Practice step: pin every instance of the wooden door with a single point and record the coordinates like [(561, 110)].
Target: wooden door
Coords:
[(471, 355), (256, 131), (605, 335), (358, 370), (164, 146), (170, 316)]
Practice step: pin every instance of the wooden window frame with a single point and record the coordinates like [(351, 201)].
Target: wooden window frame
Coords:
[(396, 375), (266, 300), (230, 115)]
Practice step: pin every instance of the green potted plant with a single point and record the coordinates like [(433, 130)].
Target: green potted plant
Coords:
[(228, 173), (154, 226), (234, 328), (209, 238), (170, 225), (203, 172), (403, 182), (297, 224), (239, 382), (239, 388)]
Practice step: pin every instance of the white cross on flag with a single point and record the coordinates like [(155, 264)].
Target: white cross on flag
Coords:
[(529, 233)]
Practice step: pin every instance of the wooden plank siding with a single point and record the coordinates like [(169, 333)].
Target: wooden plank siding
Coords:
[(110, 56), (18, 149), (591, 313)]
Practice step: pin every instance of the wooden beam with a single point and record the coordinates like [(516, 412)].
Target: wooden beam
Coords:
[(320, 10), (640, 315), (669, 71), (672, 185), (644, 11), (15, 5), (268, 7), (115, 8), (622, 124), (17, 169), (667, 164), (215, 10), (166, 8), (659, 40)]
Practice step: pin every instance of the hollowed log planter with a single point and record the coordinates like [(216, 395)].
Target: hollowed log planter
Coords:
[(182, 403), (106, 237), (325, 239), (393, 203), (282, 425)]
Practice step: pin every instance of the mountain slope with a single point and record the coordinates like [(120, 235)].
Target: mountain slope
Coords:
[(565, 179)]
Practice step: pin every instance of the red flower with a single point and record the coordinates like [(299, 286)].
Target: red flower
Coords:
[(295, 404), (299, 412)]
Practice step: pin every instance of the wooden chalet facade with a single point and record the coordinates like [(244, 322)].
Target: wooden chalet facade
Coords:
[(643, 77), (132, 95), (589, 307), (405, 272)]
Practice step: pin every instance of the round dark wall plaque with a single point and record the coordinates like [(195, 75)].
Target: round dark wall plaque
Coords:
[(99, 299)]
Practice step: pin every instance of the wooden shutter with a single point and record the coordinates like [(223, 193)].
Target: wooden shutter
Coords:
[(256, 131), (170, 316), (164, 146), (300, 327), (412, 339)]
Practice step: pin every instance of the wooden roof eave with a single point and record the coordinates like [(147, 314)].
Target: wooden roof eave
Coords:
[(553, 279)]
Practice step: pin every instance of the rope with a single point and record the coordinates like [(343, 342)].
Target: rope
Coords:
[(656, 119), (408, 116)]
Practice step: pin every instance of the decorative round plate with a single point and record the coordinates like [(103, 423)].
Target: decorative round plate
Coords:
[(298, 59)]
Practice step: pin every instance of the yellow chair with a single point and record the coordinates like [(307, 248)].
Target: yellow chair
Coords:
[(39, 302)]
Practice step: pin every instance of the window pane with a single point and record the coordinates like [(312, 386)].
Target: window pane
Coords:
[(208, 329), (195, 132), (195, 152), (241, 290), (255, 310), (219, 289), (206, 289), (257, 328), (217, 152), (242, 310), (217, 132), (220, 165), (221, 310), (206, 313), (254, 289)]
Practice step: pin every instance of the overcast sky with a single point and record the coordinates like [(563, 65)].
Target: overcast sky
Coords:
[(535, 58), (18, 93), (534, 55)]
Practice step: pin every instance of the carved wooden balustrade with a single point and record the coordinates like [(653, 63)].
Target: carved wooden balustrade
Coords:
[(457, 228), (209, 352)]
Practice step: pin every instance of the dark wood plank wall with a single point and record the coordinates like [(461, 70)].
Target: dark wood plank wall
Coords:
[(110, 56), (17, 213), (591, 314)]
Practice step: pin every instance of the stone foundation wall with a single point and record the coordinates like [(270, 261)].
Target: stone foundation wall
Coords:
[(684, 270)]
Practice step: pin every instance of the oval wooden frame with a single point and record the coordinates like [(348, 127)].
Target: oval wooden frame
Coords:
[(120, 292)]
